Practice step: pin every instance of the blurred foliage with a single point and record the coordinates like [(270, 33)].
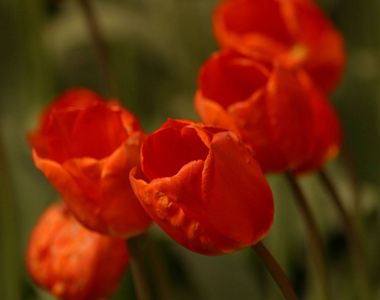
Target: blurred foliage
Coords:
[(157, 47)]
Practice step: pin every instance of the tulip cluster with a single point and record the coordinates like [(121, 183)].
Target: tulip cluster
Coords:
[(86, 147), (264, 107), (269, 83), (205, 189)]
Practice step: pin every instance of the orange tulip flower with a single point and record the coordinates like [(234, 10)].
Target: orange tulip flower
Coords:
[(265, 104), (205, 189), (72, 262), (86, 147), (296, 32)]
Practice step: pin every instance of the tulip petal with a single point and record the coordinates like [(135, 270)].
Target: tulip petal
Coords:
[(255, 130), (171, 204), (297, 33), (158, 162), (86, 173), (237, 199), (51, 140), (231, 78), (92, 138), (83, 208), (325, 58), (120, 207), (246, 17), (328, 133), (291, 116), (77, 98), (129, 121), (184, 187), (213, 113)]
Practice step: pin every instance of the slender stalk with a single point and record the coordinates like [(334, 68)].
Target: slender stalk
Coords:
[(139, 275), (315, 240), (100, 47), (159, 269), (352, 235), (351, 171), (275, 271)]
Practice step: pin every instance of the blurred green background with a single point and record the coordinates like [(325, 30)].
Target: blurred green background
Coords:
[(156, 48)]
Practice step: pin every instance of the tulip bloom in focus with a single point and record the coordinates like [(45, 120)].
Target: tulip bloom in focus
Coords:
[(72, 262), (205, 189), (265, 104), (296, 32), (86, 147)]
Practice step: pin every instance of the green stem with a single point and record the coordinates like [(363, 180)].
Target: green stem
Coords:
[(159, 269), (315, 240), (100, 47), (139, 275), (350, 169), (352, 235), (275, 271)]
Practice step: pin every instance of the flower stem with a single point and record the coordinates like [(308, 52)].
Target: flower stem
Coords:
[(100, 47), (139, 275), (315, 240), (159, 268), (352, 235), (275, 271)]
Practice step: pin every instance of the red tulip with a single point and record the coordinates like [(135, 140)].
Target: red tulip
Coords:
[(86, 147), (72, 262), (296, 32), (205, 189), (265, 104), (327, 129)]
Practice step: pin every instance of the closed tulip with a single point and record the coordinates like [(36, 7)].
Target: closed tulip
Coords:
[(296, 32), (71, 262), (264, 103), (86, 148), (204, 188)]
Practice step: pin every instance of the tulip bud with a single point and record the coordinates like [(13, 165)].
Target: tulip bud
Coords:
[(72, 262)]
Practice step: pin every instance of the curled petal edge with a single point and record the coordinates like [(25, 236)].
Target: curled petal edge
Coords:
[(172, 218)]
